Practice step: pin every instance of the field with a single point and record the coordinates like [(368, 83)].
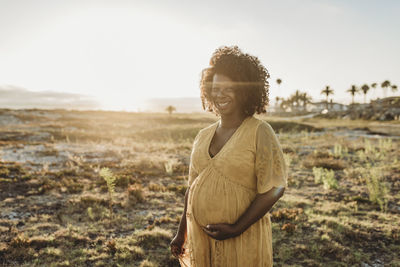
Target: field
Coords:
[(59, 205)]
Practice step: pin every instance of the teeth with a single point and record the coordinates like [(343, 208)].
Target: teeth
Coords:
[(223, 104)]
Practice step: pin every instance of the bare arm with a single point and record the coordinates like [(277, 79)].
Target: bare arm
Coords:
[(182, 223), (180, 237), (257, 209)]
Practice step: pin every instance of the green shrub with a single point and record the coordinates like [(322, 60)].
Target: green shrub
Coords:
[(377, 188), (340, 151), (110, 179), (326, 177)]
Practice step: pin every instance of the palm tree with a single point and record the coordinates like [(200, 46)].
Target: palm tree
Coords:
[(384, 86), (353, 90), (327, 91), (373, 86), (296, 98), (365, 89), (170, 109), (305, 98)]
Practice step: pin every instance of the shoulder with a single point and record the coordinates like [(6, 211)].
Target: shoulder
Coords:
[(206, 130), (263, 127), (209, 128), (265, 134)]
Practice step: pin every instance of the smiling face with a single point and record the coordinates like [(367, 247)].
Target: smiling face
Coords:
[(223, 96)]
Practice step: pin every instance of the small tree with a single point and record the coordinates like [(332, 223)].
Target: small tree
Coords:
[(327, 91), (384, 86), (353, 90), (285, 104), (297, 98), (305, 98), (170, 109), (394, 88), (365, 89)]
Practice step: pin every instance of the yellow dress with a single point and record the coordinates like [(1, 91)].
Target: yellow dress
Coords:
[(222, 188)]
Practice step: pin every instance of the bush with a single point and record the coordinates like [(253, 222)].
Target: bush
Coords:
[(327, 177), (377, 188), (110, 179)]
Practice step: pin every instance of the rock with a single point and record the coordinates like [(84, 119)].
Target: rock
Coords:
[(376, 263)]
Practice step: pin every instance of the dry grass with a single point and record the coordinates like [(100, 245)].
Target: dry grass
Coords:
[(54, 207)]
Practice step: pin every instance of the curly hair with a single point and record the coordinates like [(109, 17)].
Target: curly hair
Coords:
[(247, 72)]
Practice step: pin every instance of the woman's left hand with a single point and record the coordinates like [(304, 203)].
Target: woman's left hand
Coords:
[(220, 231)]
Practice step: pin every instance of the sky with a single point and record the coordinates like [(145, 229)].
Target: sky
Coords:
[(119, 53)]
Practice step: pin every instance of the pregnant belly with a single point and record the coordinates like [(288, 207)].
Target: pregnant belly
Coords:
[(214, 199)]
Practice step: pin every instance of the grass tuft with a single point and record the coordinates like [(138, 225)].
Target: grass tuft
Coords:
[(156, 237), (326, 177)]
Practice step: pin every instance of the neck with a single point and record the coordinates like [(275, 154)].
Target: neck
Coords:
[(232, 120)]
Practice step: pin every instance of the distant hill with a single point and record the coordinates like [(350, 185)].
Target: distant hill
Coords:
[(20, 98), (15, 97)]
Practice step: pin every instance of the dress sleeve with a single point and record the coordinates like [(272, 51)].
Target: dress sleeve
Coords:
[(270, 167), (192, 170)]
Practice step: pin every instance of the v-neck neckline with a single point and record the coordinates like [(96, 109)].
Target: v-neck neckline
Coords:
[(227, 142)]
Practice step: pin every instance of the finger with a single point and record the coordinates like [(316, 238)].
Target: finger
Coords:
[(207, 231), (212, 227), (211, 234)]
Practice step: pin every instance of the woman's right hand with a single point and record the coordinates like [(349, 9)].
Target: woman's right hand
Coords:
[(176, 245)]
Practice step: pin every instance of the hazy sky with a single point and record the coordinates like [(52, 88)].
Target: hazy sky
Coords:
[(121, 52)]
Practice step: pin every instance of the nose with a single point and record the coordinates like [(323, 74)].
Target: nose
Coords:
[(219, 93), (222, 93)]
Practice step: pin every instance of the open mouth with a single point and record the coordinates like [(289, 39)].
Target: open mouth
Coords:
[(222, 104)]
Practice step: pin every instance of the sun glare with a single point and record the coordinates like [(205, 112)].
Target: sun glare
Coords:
[(130, 102)]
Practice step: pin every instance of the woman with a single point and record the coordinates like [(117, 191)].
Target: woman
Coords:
[(236, 171)]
